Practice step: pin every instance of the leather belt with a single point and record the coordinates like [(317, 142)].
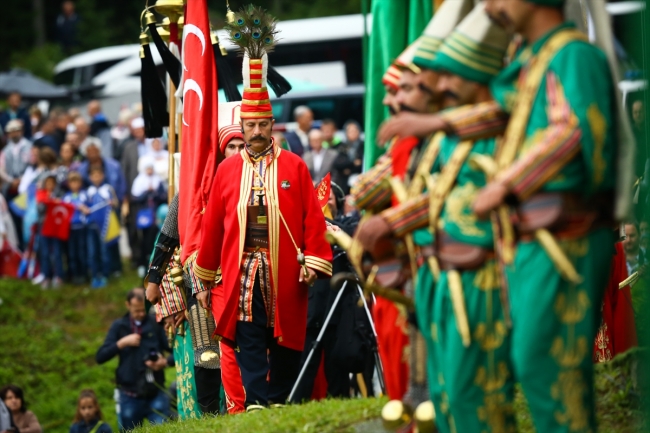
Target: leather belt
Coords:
[(452, 254), (565, 215), (257, 235)]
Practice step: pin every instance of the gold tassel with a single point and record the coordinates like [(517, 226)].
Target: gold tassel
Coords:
[(458, 303), (557, 256), (434, 266)]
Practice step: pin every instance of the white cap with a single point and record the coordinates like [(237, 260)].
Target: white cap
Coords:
[(138, 122), (14, 125)]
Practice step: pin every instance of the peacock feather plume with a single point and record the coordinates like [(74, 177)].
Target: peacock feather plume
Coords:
[(253, 31)]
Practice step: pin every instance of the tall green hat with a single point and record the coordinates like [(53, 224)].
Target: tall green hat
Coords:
[(445, 19), (476, 48)]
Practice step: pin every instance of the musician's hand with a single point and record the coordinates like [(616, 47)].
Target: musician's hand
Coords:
[(489, 198), (372, 231), (311, 276), (125, 209), (175, 320), (207, 284), (642, 270), (153, 293), (332, 227), (203, 298), (405, 123)]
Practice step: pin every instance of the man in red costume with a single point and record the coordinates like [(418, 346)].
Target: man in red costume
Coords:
[(264, 227)]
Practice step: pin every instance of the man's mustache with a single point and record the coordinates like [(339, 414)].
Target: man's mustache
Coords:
[(258, 138), (449, 94), (407, 109), (392, 110), (500, 19)]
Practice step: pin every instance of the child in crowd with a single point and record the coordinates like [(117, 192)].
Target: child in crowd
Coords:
[(88, 418), (100, 196), (49, 248), (77, 250)]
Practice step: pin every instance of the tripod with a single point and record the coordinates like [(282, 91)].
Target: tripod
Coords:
[(378, 365)]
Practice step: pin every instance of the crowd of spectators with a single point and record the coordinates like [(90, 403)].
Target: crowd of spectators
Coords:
[(105, 173)]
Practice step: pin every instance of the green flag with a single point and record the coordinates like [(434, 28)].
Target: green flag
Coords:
[(395, 24)]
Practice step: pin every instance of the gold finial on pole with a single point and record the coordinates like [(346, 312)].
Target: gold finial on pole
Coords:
[(171, 8), (230, 15)]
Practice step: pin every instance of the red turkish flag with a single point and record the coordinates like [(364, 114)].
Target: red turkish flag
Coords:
[(200, 129), (57, 220)]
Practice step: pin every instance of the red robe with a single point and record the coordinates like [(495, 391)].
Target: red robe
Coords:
[(617, 332), (223, 233)]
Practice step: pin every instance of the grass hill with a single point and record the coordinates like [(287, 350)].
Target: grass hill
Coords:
[(48, 341)]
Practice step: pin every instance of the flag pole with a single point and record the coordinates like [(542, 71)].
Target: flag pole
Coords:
[(172, 142)]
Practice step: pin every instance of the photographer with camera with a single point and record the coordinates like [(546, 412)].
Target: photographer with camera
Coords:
[(139, 342)]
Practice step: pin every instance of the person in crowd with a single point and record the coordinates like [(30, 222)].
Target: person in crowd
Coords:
[(75, 140), (99, 127), (24, 420), (298, 140), (6, 420), (353, 145), (280, 139), (14, 158), (62, 123), (634, 254), (269, 325), (319, 160), (139, 343), (8, 234), (158, 156), (115, 178), (112, 170), (67, 24), (132, 150), (83, 129), (36, 119), (99, 195), (328, 128), (67, 157), (638, 127), (50, 257), (89, 418), (48, 136), (77, 250), (15, 111), (43, 163), (74, 114), (121, 131), (147, 193), (321, 302)]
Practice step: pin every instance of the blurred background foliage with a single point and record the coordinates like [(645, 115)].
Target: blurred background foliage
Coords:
[(28, 37)]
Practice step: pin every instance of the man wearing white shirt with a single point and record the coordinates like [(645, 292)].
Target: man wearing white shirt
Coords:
[(299, 139), (319, 160)]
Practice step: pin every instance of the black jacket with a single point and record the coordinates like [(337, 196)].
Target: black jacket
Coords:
[(131, 366), (321, 295)]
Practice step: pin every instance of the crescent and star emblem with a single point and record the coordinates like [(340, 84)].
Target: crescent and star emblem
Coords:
[(60, 214)]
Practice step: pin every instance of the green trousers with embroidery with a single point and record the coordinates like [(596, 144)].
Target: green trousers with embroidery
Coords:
[(187, 403), (473, 387), (554, 326)]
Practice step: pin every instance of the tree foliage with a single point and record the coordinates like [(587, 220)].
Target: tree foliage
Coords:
[(115, 22)]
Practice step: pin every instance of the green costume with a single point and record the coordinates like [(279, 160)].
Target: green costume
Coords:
[(568, 146), (188, 406)]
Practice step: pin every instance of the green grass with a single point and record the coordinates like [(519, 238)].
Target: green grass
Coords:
[(324, 416), (48, 341)]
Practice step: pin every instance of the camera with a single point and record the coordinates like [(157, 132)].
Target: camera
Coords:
[(151, 356)]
